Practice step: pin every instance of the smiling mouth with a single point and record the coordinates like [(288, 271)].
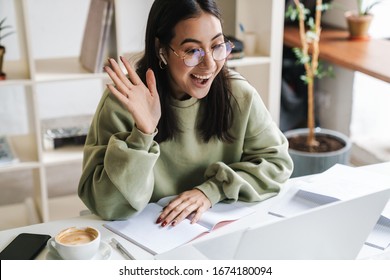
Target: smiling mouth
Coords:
[(202, 79)]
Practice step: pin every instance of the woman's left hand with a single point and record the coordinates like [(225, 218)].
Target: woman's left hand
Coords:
[(187, 203)]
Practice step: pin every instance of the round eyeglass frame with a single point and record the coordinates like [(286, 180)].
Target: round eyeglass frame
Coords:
[(203, 54)]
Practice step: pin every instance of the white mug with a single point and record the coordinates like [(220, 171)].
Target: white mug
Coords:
[(76, 243)]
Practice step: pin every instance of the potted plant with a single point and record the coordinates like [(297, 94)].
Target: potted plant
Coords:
[(2, 47), (313, 150), (359, 21)]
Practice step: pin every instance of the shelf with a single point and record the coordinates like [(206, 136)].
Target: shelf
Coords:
[(18, 166), (63, 155), (61, 69), (369, 57), (16, 74), (15, 81), (249, 61)]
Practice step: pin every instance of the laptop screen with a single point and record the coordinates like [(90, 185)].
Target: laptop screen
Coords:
[(336, 230)]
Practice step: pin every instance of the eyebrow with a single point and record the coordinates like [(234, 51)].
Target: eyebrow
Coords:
[(191, 40)]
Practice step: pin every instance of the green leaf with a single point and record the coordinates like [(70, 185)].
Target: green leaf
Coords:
[(324, 7), (3, 27), (311, 36), (310, 22), (322, 72), (292, 12), (301, 57), (6, 34)]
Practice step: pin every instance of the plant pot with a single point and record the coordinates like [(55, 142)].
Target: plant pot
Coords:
[(358, 25), (2, 52), (306, 163)]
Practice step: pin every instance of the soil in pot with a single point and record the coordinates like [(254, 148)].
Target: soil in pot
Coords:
[(332, 148), (327, 143)]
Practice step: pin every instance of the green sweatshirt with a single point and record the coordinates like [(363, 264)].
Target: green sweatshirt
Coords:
[(124, 169)]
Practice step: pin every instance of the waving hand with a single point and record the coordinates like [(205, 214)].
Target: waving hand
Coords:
[(141, 100)]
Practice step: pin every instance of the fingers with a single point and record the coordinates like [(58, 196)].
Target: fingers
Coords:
[(133, 76), (151, 82), (117, 76), (178, 214), (191, 205), (121, 81), (121, 97)]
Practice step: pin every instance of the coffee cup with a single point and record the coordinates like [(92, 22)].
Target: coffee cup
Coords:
[(76, 243)]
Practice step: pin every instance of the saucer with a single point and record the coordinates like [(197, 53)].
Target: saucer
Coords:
[(104, 253)]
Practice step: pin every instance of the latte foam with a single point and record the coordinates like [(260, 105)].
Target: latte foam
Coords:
[(76, 237)]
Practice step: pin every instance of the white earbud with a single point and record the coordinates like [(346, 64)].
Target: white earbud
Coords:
[(160, 52)]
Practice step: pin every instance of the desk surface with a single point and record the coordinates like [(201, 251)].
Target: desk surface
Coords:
[(370, 57), (53, 227), (91, 220)]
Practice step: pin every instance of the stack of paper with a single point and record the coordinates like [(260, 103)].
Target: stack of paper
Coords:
[(380, 235), (338, 183)]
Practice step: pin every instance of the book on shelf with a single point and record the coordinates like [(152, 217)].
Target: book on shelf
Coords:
[(337, 183), (238, 50), (96, 37), (143, 231), (7, 153)]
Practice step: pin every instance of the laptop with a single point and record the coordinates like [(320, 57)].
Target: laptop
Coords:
[(336, 230)]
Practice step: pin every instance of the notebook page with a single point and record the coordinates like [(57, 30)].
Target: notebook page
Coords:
[(143, 231), (223, 213), (345, 182), (340, 182), (380, 235), (220, 212), (297, 201)]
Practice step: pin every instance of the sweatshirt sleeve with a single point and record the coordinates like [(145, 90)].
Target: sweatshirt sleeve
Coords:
[(265, 163), (117, 178)]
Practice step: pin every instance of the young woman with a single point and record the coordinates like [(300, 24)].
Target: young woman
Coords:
[(181, 124)]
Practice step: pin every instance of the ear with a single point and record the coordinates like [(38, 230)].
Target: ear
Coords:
[(160, 51)]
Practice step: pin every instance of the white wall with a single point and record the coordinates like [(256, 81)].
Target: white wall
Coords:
[(61, 39), (367, 98), (371, 114), (380, 25)]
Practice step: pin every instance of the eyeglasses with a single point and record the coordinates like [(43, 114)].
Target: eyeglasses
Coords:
[(195, 56)]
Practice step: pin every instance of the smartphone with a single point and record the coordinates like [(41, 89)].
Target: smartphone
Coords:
[(25, 246)]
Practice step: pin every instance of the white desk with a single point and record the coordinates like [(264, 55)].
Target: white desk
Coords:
[(260, 216)]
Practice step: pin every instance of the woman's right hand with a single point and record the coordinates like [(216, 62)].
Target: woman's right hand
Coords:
[(192, 202), (142, 101)]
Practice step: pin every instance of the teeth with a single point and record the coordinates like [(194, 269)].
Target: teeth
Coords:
[(202, 77)]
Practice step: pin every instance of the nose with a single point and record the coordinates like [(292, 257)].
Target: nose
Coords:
[(208, 59)]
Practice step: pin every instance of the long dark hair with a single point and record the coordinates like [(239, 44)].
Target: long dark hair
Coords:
[(217, 115)]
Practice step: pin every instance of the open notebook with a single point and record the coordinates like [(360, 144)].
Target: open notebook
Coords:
[(143, 231), (330, 231)]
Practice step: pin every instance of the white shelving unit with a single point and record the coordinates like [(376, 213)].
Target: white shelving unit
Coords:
[(33, 75), (266, 19)]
